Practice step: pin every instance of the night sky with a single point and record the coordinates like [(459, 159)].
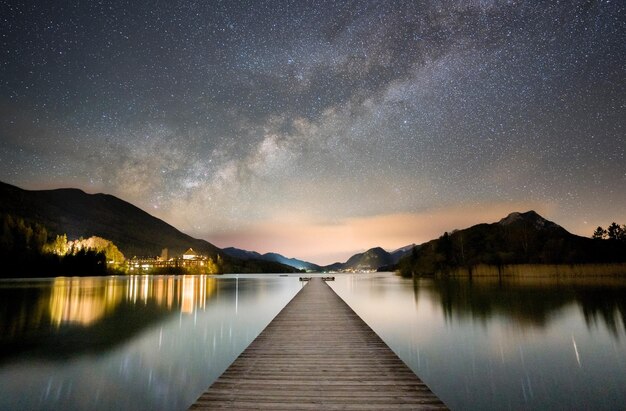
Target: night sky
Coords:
[(321, 129)]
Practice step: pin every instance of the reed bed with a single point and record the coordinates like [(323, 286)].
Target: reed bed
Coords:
[(540, 270)]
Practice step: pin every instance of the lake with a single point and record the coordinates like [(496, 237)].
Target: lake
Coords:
[(156, 343)]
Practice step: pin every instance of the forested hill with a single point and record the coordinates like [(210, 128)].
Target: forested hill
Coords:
[(519, 238), (78, 214), (371, 259)]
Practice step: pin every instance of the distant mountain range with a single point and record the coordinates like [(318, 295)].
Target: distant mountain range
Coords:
[(370, 260), (135, 232), (273, 257)]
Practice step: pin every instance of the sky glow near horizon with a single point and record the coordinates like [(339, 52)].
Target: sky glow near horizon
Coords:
[(322, 129)]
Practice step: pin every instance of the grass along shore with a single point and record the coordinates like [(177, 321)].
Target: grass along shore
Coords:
[(539, 270)]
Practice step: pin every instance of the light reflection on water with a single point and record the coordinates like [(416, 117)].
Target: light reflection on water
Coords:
[(127, 343), (489, 344)]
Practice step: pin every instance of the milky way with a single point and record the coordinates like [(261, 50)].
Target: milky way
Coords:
[(260, 123)]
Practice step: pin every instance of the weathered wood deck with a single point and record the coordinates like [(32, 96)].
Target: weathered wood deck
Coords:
[(318, 354)]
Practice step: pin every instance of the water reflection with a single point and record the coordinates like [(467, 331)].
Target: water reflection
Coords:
[(512, 344), (91, 314), (127, 343), (82, 301), (85, 301), (529, 302)]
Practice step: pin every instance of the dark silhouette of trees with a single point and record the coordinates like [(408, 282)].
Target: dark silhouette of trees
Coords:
[(599, 234), (527, 240), (613, 232), (23, 253)]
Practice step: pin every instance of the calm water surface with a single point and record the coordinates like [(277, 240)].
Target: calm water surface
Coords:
[(153, 343), (479, 345), (158, 342)]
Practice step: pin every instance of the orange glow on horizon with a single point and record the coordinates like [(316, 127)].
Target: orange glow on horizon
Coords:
[(326, 243)]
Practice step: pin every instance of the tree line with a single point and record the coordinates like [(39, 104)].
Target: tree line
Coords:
[(27, 249), (613, 232)]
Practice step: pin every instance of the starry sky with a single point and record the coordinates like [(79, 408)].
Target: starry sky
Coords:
[(319, 129)]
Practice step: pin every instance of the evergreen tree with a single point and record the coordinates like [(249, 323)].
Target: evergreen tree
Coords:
[(599, 234), (614, 231)]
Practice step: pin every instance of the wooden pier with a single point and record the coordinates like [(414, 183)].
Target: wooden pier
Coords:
[(318, 354)]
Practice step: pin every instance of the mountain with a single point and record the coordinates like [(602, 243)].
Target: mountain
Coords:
[(79, 214), (519, 238), (135, 232), (293, 262), (532, 220), (396, 255), (370, 260), (242, 254), (273, 257), (373, 259)]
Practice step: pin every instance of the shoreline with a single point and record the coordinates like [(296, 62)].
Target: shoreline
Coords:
[(538, 271)]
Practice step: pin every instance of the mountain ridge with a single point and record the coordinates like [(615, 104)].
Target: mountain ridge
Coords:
[(76, 213), (273, 257)]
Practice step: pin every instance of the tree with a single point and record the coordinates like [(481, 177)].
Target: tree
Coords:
[(18, 236), (599, 234), (113, 254), (25, 251), (59, 246), (211, 267), (219, 264), (614, 231), (444, 252)]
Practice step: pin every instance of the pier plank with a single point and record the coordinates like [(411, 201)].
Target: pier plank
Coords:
[(317, 354)]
